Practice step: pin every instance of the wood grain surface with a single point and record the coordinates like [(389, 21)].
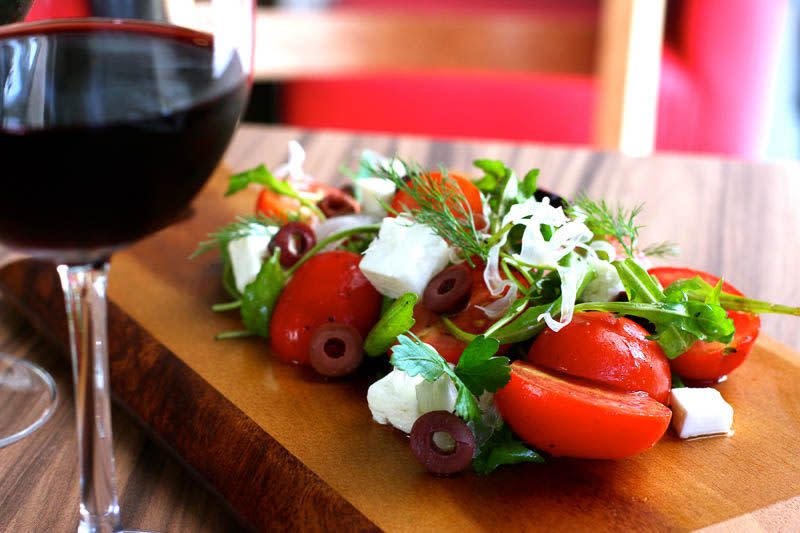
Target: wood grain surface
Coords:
[(288, 450)]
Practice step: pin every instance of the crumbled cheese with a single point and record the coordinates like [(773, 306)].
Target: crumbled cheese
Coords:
[(247, 255), (404, 257), (606, 284), (698, 412), (374, 193)]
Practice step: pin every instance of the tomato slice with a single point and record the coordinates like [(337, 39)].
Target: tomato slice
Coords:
[(613, 351), (277, 206), (403, 202), (567, 417), (708, 361)]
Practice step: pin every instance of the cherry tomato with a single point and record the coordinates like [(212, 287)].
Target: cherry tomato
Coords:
[(328, 288), (430, 328), (610, 350), (566, 417), (277, 206), (707, 361), (403, 202)]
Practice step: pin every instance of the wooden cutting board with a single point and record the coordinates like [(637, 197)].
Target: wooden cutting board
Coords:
[(289, 450)]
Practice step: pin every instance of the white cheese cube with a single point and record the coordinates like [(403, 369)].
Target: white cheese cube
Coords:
[(373, 193), (247, 255), (606, 284), (439, 395), (393, 400), (404, 257), (698, 412)]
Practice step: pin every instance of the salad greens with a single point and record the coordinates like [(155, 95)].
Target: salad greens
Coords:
[(541, 263)]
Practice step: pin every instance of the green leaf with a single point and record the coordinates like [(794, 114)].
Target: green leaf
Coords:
[(639, 285), (260, 175), (260, 296), (416, 358), (503, 448), (397, 319), (466, 404), (527, 186), (479, 369), (698, 289)]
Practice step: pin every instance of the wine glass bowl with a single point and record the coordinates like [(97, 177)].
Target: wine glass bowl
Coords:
[(112, 117)]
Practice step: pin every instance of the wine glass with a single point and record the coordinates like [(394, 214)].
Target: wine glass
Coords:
[(28, 393), (113, 114)]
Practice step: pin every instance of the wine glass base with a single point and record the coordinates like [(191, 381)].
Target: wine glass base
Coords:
[(28, 398)]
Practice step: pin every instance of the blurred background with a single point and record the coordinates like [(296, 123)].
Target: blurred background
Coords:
[(704, 76)]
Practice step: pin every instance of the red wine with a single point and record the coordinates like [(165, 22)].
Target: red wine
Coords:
[(107, 131)]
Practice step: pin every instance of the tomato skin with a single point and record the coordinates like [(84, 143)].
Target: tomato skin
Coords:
[(610, 350), (329, 287), (429, 327), (277, 206), (707, 361), (566, 417), (403, 202)]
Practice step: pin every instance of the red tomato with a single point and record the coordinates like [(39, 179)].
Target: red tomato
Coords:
[(565, 417), (274, 205), (430, 328), (607, 349), (403, 202), (329, 287), (707, 361)]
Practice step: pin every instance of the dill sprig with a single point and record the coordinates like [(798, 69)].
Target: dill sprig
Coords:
[(440, 206), (243, 226), (605, 220), (661, 249)]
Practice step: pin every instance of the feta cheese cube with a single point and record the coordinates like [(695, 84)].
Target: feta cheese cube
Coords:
[(439, 395), (698, 412), (606, 284), (247, 255), (373, 192), (404, 257), (393, 400)]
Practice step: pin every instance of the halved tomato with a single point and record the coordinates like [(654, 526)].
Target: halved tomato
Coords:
[(404, 202), (567, 417), (610, 350), (277, 206), (711, 361)]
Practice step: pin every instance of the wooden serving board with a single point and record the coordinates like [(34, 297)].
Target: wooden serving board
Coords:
[(289, 450)]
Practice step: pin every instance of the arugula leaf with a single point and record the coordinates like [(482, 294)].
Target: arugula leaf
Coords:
[(698, 289), (527, 187), (480, 370), (260, 175), (397, 319), (502, 448), (679, 321), (260, 296)]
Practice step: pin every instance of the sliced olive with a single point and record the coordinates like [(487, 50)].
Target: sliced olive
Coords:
[(336, 349), (449, 290), (294, 239), (336, 205), (555, 199), (442, 443)]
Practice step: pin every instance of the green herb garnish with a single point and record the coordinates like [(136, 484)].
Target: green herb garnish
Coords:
[(605, 220), (397, 319), (260, 175)]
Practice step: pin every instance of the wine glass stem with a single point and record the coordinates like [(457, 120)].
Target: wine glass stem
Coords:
[(85, 295)]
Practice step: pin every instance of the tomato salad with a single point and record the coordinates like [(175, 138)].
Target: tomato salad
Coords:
[(514, 325)]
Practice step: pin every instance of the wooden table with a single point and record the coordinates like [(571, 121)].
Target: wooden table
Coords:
[(737, 219)]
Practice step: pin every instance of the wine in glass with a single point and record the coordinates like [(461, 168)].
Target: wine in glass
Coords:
[(112, 117)]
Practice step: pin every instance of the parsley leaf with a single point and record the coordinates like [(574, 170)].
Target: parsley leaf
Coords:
[(260, 296), (480, 370), (416, 358), (502, 448), (397, 319)]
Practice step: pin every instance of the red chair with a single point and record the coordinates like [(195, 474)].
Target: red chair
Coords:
[(717, 64)]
